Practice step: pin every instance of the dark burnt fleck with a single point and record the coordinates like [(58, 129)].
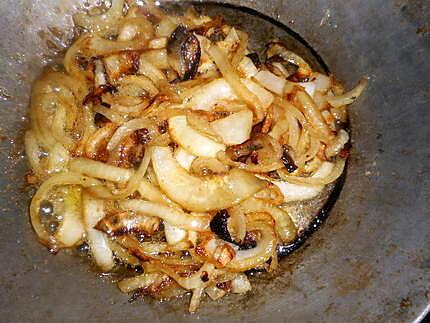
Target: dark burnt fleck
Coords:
[(226, 286), (254, 157), (217, 35), (249, 242), (163, 126), (185, 254), (219, 226), (248, 149), (255, 59), (184, 49), (257, 128), (344, 153), (204, 276), (190, 57), (83, 62), (106, 105), (95, 95), (274, 174), (211, 29), (173, 145), (100, 120), (135, 62), (143, 136), (242, 159), (298, 78), (287, 160)]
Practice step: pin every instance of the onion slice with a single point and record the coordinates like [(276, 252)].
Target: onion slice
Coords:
[(348, 97), (191, 140), (201, 194), (285, 227), (98, 241), (173, 216), (266, 246), (234, 129)]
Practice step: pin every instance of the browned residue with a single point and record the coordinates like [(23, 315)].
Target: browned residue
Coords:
[(118, 65), (352, 278)]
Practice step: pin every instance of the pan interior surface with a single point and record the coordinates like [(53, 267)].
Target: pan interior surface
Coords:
[(368, 262)]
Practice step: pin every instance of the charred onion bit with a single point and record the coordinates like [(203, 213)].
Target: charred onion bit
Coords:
[(184, 50), (122, 223), (255, 59), (219, 226), (287, 160), (143, 136), (277, 65), (285, 63), (95, 96), (249, 242), (211, 28), (163, 126), (100, 120), (246, 150)]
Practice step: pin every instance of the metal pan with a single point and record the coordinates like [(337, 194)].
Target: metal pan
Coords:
[(369, 261)]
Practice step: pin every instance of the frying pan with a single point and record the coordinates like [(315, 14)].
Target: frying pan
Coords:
[(369, 260)]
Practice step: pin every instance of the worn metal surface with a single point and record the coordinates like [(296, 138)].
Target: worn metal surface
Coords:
[(370, 261)]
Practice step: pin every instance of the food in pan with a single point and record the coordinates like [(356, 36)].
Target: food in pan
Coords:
[(165, 144)]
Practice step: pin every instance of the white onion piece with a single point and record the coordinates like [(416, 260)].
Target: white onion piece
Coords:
[(100, 170), (99, 73), (165, 27), (309, 87), (348, 97), (184, 158), (206, 96), (247, 68), (234, 129), (240, 284), (334, 147), (201, 194), (157, 43), (174, 234), (296, 192), (128, 285), (266, 98), (230, 41), (192, 140), (271, 81), (150, 71), (97, 240), (215, 293), (127, 129), (322, 82), (71, 229), (170, 215), (58, 159)]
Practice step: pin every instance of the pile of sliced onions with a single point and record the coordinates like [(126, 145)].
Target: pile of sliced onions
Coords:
[(198, 194), (167, 128)]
